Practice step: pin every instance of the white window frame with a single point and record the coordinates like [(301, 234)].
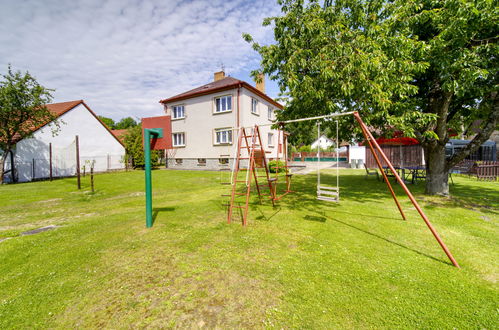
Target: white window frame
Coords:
[(270, 139), (174, 140), (270, 112), (254, 106), (222, 98), (174, 112), (218, 138)]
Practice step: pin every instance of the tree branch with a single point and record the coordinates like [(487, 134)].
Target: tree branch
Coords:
[(482, 136), (485, 41)]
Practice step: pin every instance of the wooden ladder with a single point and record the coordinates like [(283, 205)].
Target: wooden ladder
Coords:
[(256, 159)]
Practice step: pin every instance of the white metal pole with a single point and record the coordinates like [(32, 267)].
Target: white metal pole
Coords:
[(337, 161), (308, 118), (318, 156)]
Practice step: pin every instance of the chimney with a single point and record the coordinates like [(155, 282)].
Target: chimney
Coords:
[(219, 75), (261, 85)]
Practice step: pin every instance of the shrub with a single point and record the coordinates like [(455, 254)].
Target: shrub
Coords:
[(305, 149), (274, 163)]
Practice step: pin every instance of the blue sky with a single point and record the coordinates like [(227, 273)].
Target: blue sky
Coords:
[(123, 56)]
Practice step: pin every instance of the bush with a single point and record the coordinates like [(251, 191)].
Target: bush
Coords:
[(305, 149), (274, 163)]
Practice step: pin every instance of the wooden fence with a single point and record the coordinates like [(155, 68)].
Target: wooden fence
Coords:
[(399, 156), (486, 170)]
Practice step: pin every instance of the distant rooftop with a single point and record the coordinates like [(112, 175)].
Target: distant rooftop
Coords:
[(218, 86)]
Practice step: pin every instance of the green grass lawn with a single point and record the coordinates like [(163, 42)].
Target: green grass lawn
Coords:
[(304, 263)]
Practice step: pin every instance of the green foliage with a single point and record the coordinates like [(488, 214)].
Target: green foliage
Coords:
[(125, 123), (278, 166), (110, 123), (417, 66), (135, 148), (305, 148), (22, 107)]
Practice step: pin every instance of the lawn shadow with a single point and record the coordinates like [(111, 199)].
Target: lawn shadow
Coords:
[(262, 215), (391, 242), (157, 210), (315, 218), (370, 215)]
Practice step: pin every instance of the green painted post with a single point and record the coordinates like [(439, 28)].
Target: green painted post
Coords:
[(156, 133)]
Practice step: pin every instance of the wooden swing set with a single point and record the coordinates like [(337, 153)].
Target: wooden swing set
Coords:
[(250, 150)]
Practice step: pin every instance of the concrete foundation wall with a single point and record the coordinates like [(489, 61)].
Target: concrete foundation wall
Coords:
[(212, 164)]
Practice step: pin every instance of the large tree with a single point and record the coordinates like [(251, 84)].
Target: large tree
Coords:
[(423, 67), (125, 123), (22, 108), (110, 123)]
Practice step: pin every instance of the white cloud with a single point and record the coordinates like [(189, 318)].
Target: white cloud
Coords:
[(122, 57)]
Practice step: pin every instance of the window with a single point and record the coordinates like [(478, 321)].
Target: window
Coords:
[(254, 106), (178, 161), (223, 104), (271, 139), (223, 161), (223, 136), (178, 139), (269, 113), (178, 112), (201, 161)]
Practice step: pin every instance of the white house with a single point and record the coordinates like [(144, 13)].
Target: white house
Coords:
[(205, 121), (43, 154), (323, 142)]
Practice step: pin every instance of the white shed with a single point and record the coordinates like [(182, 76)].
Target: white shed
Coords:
[(44, 155)]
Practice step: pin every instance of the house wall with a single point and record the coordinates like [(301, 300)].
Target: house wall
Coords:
[(261, 118), (201, 121), (95, 141), (323, 142)]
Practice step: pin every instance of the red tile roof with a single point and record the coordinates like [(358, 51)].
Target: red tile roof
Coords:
[(218, 86), (119, 133), (58, 109)]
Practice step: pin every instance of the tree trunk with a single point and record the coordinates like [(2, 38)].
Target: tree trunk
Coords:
[(2, 164), (12, 167), (437, 178)]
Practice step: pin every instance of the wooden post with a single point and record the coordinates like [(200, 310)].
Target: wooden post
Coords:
[(50, 160), (373, 151), (78, 162), (92, 177), (369, 137)]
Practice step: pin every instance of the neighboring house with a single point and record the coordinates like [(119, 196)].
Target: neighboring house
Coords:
[(323, 142), (42, 153), (205, 121)]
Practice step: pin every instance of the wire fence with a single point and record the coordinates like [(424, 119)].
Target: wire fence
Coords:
[(58, 162), (39, 168)]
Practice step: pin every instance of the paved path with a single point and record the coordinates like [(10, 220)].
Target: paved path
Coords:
[(311, 167)]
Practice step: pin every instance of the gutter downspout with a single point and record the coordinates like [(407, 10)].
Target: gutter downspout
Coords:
[(238, 96)]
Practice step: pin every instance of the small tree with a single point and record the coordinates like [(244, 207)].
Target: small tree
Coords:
[(22, 109), (135, 147)]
